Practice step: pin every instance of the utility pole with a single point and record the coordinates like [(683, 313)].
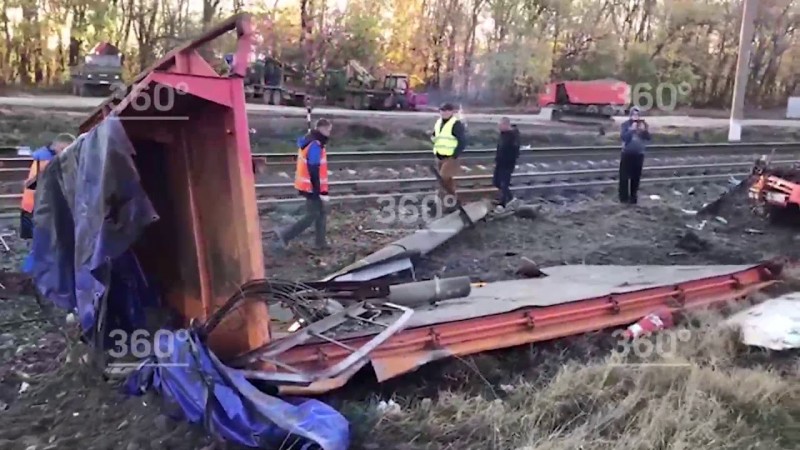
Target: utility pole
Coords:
[(742, 70)]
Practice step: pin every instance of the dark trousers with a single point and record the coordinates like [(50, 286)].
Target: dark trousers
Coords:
[(502, 181), (630, 172), (25, 224), (315, 214)]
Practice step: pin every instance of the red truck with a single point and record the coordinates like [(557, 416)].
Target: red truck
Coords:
[(595, 98)]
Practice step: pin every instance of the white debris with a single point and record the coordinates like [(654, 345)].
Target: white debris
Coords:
[(774, 324), (70, 319), (753, 231), (721, 220), (389, 408), (655, 197), (3, 241), (677, 192), (24, 387), (690, 212), (698, 227)]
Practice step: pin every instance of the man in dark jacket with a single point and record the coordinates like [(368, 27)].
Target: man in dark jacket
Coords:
[(505, 159), (635, 136)]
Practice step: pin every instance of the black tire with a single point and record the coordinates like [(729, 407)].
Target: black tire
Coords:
[(358, 102)]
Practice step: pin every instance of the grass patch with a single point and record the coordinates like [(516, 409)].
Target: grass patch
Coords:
[(710, 397)]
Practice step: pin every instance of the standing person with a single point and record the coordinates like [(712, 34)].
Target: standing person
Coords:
[(311, 181), (635, 136), (505, 159), (40, 157), (449, 140)]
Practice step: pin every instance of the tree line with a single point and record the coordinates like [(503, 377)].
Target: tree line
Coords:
[(493, 51)]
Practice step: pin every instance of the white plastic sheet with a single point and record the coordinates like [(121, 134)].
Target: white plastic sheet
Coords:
[(774, 324)]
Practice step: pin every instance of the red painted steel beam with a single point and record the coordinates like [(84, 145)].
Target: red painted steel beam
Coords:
[(412, 348)]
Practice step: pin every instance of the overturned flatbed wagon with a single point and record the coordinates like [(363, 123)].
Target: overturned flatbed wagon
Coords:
[(163, 177)]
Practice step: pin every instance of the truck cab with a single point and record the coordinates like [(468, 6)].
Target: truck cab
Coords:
[(98, 72), (402, 95)]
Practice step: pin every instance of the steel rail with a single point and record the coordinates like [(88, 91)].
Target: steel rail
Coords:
[(10, 174), (401, 185), (282, 193), (347, 159), (344, 160), (401, 155)]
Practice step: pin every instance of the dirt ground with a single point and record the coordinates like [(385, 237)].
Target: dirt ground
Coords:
[(562, 394)]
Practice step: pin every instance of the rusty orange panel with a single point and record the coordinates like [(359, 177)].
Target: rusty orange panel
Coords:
[(413, 348)]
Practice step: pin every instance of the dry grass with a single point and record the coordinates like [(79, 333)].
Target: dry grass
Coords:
[(709, 393)]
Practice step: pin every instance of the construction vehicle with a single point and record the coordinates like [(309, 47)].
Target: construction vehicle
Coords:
[(359, 89), (279, 83), (597, 98), (276, 83), (100, 71)]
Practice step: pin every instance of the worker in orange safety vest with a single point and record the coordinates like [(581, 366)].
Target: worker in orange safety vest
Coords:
[(311, 181), (40, 157)]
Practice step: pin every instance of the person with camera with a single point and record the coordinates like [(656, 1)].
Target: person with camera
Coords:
[(635, 136)]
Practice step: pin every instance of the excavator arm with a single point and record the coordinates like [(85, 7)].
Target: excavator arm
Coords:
[(358, 75)]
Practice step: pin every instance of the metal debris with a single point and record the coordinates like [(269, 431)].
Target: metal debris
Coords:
[(3, 241)]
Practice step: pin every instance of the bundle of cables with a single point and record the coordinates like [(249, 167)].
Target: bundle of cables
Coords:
[(306, 303)]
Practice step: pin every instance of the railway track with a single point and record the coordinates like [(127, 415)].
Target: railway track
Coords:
[(15, 168), (476, 185)]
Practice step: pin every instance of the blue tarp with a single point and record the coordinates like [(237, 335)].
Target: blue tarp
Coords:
[(90, 209), (191, 377)]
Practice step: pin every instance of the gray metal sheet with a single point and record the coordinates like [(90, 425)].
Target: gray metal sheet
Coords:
[(564, 284)]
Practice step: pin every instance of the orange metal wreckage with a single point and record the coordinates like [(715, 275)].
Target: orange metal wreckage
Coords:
[(412, 348), (209, 227)]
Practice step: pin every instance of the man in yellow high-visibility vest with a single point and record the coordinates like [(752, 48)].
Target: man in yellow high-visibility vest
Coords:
[(449, 140)]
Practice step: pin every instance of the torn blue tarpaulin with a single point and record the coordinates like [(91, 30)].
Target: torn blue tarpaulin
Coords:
[(90, 208), (191, 377)]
